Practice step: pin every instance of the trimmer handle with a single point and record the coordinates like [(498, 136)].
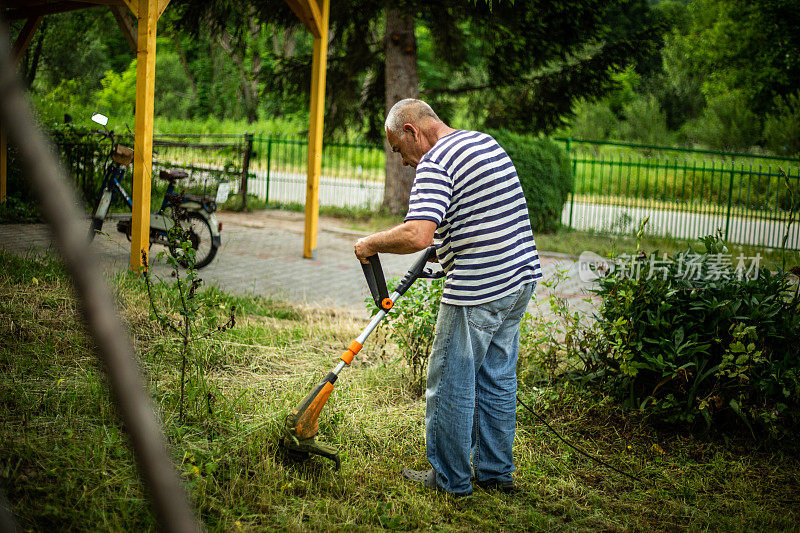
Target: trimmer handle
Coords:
[(418, 271), (377, 283)]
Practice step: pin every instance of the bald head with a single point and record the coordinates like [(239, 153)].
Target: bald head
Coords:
[(409, 111)]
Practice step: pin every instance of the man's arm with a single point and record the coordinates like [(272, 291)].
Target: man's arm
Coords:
[(407, 238)]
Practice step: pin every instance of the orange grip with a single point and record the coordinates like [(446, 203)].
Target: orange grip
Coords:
[(351, 352)]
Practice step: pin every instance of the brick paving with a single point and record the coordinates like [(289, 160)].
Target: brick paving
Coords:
[(261, 254)]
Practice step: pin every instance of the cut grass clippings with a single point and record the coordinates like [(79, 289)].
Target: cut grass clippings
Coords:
[(65, 463)]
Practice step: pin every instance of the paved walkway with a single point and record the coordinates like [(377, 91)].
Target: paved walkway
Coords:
[(261, 254)]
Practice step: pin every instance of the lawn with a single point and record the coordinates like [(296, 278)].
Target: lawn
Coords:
[(65, 464)]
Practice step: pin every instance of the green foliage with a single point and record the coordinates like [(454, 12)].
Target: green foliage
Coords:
[(552, 334), (699, 349), (411, 325), (545, 173), (68, 97), (726, 124), (118, 92), (741, 45), (645, 121), (782, 126), (727, 68), (20, 205), (84, 155), (594, 121)]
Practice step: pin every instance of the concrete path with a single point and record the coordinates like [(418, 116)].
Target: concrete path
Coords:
[(261, 254)]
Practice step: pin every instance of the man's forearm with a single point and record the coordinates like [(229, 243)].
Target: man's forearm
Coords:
[(401, 239), (406, 238)]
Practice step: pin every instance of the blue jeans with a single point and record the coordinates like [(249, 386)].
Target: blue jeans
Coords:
[(472, 390)]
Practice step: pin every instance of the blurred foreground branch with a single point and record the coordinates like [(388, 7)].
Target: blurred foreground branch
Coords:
[(58, 202)]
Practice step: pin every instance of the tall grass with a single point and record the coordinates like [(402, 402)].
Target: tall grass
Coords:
[(65, 463)]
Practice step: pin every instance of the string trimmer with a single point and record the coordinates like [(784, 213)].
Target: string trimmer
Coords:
[(302, 426)]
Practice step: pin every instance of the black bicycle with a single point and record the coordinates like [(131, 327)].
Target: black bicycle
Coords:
[(200, 223)]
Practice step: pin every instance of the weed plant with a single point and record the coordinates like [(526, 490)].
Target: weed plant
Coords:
[(553, 336), (189, 326)]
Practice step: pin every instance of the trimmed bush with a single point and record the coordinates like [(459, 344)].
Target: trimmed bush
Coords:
[(545, 174), (693, 348)]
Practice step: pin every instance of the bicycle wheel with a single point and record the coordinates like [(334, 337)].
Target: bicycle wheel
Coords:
[(200, 236)]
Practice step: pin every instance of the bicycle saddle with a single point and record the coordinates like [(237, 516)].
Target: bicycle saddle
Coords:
[(173, 174)]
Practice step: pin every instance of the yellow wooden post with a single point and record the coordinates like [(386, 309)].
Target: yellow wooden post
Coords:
[(147, 16), (318, 68)]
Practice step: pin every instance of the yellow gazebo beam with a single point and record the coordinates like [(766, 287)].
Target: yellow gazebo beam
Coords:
[(315, 15), (147, 13), (127, 25), (310, 14), (133, 5)]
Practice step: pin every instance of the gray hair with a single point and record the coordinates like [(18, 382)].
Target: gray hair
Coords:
[(408, 111)]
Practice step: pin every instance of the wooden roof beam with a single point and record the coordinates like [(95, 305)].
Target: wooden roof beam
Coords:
[(309, 13), (18, 11), (127, 25), (133, 5), (24, 38)]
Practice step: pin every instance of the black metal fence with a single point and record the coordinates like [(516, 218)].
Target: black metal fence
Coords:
[(685, 193), (271, 169)]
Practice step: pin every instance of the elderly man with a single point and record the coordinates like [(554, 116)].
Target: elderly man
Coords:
[(467, 200)]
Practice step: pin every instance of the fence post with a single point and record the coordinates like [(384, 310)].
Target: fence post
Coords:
[(730, 200), (574, 172), (269, 164), (248, 151)]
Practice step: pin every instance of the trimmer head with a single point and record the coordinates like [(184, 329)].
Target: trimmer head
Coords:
[(299, 434), (302, 450)]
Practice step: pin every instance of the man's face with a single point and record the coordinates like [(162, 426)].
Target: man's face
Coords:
[(410, 144)]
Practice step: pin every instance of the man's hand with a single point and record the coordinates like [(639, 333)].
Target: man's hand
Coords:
[(407, 238), (363, 249)]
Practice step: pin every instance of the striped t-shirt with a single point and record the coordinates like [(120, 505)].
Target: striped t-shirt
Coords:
[(469, 187)]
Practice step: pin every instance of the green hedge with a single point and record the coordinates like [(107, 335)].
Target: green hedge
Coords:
[(545, 174), (721, 347)]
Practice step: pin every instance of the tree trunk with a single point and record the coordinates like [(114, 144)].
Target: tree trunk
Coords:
[(252, 77), (402, 81)]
